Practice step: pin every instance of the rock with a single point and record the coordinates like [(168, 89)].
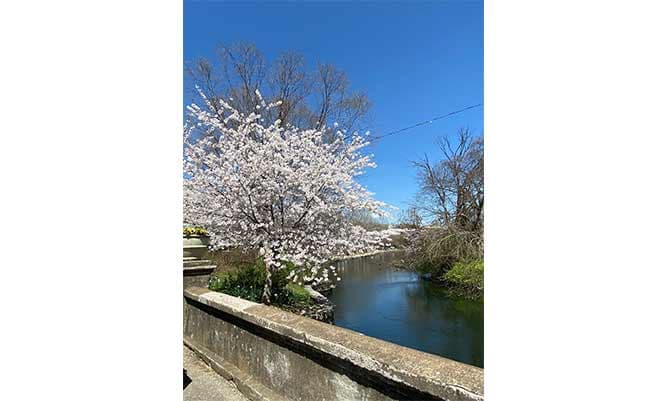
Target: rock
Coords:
[(322, 309), (316, 296)]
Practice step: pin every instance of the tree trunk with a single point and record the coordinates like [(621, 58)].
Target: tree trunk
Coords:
[(266, 292)]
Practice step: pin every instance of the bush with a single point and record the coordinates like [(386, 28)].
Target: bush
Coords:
[(434, 251), (247, 281), (466, 278), (293, 294)]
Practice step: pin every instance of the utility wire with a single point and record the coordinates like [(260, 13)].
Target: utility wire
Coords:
[(425, 122)]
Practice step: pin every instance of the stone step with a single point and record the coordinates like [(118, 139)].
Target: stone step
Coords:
[(197, 270), (196, 262), (196, 251), (195, 246)]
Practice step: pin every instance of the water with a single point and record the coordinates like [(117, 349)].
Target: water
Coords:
[(395, 305)]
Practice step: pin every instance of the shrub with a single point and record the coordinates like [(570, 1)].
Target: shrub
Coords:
[(466, 277), (435, 250), (247, 281)]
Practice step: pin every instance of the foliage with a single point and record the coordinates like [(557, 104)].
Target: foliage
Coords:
[(293, 294), (466, 273), (193, 231), (435, 250), (449, 255), (452, 197), (466, 277), (284, 190), (247, 281)]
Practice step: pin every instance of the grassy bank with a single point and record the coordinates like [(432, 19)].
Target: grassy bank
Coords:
[(451, 257)]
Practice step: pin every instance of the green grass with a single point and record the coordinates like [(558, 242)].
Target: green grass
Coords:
[(298, 294)]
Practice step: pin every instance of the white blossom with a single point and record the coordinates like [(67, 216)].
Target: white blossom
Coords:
[(284, 190)]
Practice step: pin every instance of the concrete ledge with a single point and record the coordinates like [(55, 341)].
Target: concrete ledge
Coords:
[(299, 358)]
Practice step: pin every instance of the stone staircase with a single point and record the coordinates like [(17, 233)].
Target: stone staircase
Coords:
[(193, 261), (196, 271)]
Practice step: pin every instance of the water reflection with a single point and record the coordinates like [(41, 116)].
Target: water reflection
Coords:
[(395, 305)]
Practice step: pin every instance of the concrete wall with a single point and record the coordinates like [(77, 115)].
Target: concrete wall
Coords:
[(197, 276), (275, 355)]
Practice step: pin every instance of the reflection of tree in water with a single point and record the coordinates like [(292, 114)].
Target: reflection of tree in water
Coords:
[(394, 304), (368, 267), (347, 297)]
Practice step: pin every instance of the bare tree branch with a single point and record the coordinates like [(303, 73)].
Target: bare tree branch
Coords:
[(452, 190)]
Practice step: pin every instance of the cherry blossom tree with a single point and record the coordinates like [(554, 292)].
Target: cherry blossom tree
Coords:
[(287, 191)]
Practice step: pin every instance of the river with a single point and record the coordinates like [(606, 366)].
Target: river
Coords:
[(395, 305)]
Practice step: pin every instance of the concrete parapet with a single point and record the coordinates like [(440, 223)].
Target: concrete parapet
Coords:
[(276, 355)]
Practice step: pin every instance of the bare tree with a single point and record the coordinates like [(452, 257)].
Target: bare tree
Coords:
[(452, 189), (368, 221), (410, 218), (290, 83), (309, 99)]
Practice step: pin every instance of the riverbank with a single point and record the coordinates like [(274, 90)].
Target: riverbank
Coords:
[(448, 257), (462, 282), (241, 274), (463, 279), (378, 299), (466, 279), (246, 280)]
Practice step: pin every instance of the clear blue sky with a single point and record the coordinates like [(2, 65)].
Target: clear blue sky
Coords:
[(414, 60)]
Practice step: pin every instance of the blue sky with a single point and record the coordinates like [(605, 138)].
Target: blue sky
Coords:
[(414, 60)]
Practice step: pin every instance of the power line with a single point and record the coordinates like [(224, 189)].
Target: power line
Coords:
[(426, 122)]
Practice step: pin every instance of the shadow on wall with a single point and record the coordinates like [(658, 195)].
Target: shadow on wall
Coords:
[(186, 380)]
